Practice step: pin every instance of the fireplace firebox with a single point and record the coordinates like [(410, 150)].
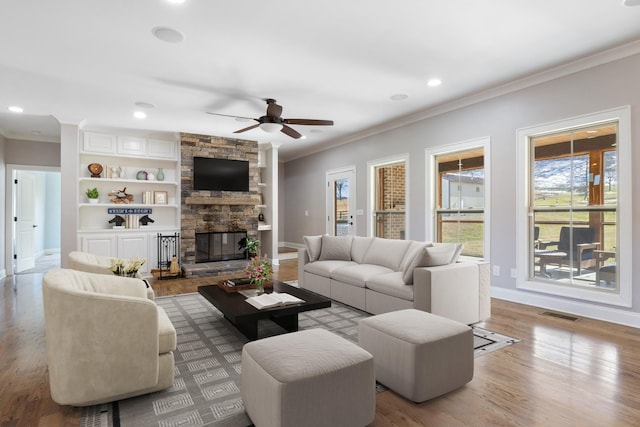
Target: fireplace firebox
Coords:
[(219, 246)]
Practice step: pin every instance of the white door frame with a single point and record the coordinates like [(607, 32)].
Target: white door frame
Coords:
[(10, 208), (332, 175), (371, 183)]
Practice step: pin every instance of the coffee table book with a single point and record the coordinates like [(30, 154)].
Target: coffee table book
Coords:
[(273, 299)]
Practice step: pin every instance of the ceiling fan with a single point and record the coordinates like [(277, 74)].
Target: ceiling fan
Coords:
[(273, 122)]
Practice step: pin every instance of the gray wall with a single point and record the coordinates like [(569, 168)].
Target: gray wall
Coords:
[(3, 196), (33, 153), (596, 89)]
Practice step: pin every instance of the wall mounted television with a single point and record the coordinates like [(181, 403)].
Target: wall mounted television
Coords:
[(220, 174)]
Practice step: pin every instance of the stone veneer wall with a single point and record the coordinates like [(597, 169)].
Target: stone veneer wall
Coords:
[(203, 211)]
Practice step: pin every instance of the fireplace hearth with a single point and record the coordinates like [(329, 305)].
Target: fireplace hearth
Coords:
[(219, 246)]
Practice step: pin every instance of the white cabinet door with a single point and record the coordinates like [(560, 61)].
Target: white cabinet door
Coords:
[(162, 149), (132, 146), (99, 143), (132, 245), (99, 244)]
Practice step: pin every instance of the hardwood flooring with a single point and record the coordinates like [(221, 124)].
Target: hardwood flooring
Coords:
[(562, 373)]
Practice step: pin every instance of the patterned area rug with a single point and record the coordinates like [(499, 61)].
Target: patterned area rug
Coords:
[(208, 366)]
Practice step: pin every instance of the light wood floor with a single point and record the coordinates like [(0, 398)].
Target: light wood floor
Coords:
[(562, 373)]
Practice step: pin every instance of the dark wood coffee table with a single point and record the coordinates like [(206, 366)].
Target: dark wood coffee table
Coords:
[(245, 317)]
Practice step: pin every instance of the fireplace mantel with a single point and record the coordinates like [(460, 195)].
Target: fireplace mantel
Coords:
[(251, 201)]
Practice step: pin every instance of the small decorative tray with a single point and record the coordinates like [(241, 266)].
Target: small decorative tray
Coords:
[(235, 285)]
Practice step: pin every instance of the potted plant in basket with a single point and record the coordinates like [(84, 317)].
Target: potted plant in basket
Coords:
[(250, 246), (92, 195)]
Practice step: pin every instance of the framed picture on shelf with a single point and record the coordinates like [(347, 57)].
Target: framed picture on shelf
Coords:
[(160, 197)]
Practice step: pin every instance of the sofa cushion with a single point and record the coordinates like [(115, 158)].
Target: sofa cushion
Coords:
[(314, 246), (325, 268), (441, 254), (415, 257), (359, 248), (358, 274), (391, 284), (336, 248), (387, 252)]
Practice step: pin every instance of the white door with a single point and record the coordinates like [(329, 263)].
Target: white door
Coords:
[(341, 202), (25, 221)]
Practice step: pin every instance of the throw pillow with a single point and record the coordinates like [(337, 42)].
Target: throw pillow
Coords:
[(336, 248), (414, 258), (439, 255), (387, 252), (457, 253), (314, 245)]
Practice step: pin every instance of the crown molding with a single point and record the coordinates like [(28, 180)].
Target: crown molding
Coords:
[(566, 69)]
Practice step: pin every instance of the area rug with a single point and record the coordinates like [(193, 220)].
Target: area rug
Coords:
[(206, 391)]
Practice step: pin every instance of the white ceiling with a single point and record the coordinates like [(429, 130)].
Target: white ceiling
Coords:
[(89, 62)]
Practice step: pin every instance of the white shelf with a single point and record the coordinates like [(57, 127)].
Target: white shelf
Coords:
[(124, 205), (127, 181)]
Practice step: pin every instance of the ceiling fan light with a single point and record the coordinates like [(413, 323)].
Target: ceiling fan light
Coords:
[(271, 127)]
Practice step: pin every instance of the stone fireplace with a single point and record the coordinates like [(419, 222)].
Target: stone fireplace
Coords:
[(221, 212)]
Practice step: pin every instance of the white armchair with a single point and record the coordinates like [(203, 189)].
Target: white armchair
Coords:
[(90, 263), (106, 340)]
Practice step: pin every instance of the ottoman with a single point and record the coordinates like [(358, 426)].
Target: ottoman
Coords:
[(308, 378), (417, 354)]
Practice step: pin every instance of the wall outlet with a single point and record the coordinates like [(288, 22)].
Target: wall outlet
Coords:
[(496, 270), (514, 273)]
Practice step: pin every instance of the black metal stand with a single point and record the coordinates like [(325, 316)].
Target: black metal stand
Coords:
[(168, 247)]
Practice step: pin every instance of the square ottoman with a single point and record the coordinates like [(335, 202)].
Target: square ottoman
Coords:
[(308, 378), (417, 354)]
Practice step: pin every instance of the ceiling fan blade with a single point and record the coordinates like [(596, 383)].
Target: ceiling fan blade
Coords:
[(247, 128), (291, 132), (273, 109), (309, 122), (229, 115)]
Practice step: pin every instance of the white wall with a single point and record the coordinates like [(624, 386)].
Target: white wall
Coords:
[(596, 89)]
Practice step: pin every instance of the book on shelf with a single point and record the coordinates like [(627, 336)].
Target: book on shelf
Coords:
[(273, 299)]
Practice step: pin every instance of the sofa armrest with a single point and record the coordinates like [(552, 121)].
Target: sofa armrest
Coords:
[(113, 340), (451, 291), (303, 258)]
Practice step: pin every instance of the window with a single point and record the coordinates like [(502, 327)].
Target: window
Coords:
[(388, 202), (460, 197), (576, 204)]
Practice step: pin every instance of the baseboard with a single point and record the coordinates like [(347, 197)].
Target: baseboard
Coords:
[(580, 308), (291, 245)]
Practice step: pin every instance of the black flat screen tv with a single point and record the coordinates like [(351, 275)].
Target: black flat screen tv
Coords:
[(220, 174)]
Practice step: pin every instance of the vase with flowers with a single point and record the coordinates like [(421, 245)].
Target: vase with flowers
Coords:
[(128, 268), (259, 271)]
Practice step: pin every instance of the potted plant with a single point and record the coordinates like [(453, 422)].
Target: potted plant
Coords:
[(250, 245), (92, 194)]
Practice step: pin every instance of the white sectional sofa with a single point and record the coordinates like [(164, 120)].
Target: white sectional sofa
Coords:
[(380, 275)]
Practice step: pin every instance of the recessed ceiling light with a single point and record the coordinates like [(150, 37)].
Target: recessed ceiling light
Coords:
[(144, 104), (15, 109), (140, 115), (167, 34), (631, 2), (399, 97), (434, 82), (176, 1)]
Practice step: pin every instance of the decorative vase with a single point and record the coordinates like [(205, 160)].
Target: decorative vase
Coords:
[(94, 201), (259, 287), (160, 175)]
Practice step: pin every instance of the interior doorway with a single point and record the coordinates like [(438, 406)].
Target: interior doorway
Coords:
[(33, 226)]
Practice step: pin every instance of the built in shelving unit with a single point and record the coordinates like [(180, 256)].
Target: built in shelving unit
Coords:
[(128, 163)]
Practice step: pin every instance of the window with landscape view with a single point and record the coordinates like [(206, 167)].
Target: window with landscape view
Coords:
[(574, 181), (460, 200), (574, 208)]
